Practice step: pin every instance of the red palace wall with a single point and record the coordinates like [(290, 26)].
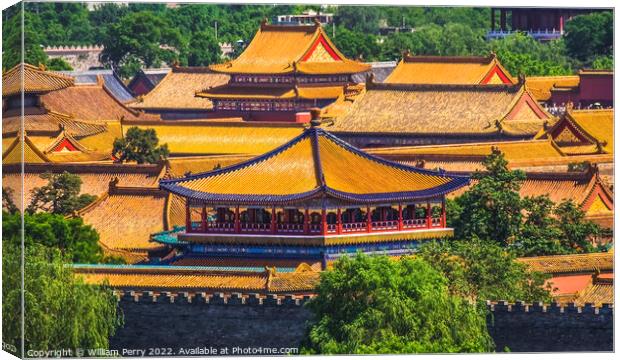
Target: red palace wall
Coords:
[(592, 88)]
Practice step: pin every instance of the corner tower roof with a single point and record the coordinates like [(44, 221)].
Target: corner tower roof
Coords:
[(283, 49), (314, 165)]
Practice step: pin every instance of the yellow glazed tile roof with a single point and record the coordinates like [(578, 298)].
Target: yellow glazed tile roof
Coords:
[(512, 150), (601, 291), (598, 124), (289, 49), (444, 70), (208, 138), (441, 109), (180, 166), (303, 279), (540, 86), (243, 92), (32, 80), (308, 165), (570, 263), (177, 90), (125, 221), (31, 154), (39, 120), (91, 102)]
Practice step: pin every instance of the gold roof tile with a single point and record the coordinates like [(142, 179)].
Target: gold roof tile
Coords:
[(31, 79), (446, 70), (441, 109), (289, 49), (540, 86), (555, 264)]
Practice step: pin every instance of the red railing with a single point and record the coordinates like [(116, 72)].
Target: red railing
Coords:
[(316, 229), (385, 225), (354, 227)]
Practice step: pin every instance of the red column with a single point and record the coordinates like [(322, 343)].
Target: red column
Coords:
[(368, 219), (237, 220), (307, 222), (339, 221), (443, 212), (188, 217), (203, 219), (323, 221), (561, 24), (274, 220), (400, 217), (428, 214)]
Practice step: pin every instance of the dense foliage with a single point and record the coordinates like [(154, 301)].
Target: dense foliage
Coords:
[(483, 270), (152, 34), (493, 210), (77, 241), (61, 311), (61, 195), (141, 146), (380, 306)]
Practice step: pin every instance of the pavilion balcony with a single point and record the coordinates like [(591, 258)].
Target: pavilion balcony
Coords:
[(540, 35), (319, 222)]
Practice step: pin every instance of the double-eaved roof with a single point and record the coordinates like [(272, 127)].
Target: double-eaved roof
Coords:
[(465, 70), (286, 49), (438, 109), (314, 165)]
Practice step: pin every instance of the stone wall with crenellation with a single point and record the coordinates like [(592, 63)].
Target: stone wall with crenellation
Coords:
[(238, 322)]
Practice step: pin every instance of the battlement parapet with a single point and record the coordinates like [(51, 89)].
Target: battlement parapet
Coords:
[(552, 308), (216, 298)]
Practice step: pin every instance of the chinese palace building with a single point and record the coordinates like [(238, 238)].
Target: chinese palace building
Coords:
[(466, 70), (285, 70), (315, 197)]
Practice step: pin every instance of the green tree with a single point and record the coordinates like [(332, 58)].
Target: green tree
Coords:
[(58, 64), (203, 50), (590, 35), (143, 39), (539, 234), (12, 41), (79, 242), (605, 62), (360, 19), (491, 209), (61, 312), (355, 45), (61, 195), (522, 54), (576, 231), (382, 306), (483, 270), (140, 146)]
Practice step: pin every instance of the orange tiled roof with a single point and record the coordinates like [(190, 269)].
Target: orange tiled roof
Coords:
[(32, 79), (288, 49), (95, 177), (447, 70), (444, 109), (244, 92), (601, 291), (126, 217), (597, 125), (91, 102), (41, 121), (196, 279), (512, 150), (223, 138), (177, 90), (308, 165), (555, 264), (540, 86), (27, 152)]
